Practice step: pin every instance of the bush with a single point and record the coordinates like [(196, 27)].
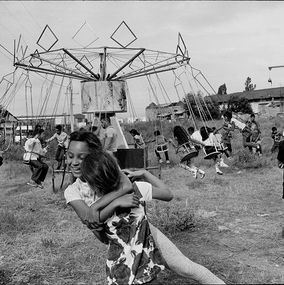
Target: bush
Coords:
[(172, 218), (245, 159), (239, 105)]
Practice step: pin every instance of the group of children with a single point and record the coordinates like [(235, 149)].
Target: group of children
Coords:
[(215, 143)]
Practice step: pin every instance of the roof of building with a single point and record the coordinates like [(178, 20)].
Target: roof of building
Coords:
[(253, 95), (165, 105)]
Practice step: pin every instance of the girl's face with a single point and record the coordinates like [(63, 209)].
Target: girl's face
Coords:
[(76, 152)]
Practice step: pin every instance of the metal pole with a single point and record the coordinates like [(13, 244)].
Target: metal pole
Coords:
[(71, 107)]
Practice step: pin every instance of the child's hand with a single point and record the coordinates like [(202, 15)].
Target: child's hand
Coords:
[(128, 201), (133, 175)]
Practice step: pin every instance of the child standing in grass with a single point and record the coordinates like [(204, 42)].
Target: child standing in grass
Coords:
[(138, 139)]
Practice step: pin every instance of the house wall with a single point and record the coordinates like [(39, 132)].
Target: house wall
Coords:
[(263, 108), (152, 113)]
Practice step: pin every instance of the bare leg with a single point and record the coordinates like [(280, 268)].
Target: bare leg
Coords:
[(179, 263), (190, 168)]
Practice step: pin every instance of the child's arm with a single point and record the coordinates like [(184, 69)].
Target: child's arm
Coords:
[(91, 214), (105, 212), (160, 190)]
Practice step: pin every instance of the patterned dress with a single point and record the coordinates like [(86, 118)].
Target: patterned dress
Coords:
[(133, 257)]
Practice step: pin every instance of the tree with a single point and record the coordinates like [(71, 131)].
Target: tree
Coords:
[(222, 90), (236, 104), (248, 85), (202, 108)]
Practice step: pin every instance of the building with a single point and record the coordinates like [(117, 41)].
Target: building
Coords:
[(8, 122), (171, 111), (265, 102)]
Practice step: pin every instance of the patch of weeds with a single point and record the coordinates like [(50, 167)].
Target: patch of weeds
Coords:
[(219, 181), (174, 218), (13, 224), (245, 159), (5, 277), (197, 183), (48, 242)]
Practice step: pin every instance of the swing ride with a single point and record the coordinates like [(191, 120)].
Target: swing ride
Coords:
[(103, 74)]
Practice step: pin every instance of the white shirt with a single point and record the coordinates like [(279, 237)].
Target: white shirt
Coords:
[(62, 139), (33, 152), (110, 133), (196, 136), (81, 191)]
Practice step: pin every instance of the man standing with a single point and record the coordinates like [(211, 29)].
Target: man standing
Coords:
[(62, 140), (109, 140)]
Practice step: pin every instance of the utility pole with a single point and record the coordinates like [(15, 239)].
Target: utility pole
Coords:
[(70, 87), (281, 109)]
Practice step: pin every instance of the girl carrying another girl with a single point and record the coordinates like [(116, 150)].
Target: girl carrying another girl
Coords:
[(83, 200)]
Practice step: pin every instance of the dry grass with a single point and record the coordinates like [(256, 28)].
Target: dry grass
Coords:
[(232, 224)]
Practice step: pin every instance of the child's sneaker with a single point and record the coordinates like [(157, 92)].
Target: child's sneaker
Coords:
[(223, 164), (202, 173), (168, 162), (39, 185), (160, 161), (218, 171), (32, 183)]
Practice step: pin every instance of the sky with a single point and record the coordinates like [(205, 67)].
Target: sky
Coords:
[(227, 40)]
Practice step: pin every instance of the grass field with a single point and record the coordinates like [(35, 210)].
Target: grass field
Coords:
[(232, 224)]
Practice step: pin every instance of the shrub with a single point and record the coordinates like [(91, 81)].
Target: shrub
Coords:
[(172, 218), (245, 159)]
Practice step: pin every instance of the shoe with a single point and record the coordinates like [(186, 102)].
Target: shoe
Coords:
[(160, 161), (168, 162), (195, 174), (218, 171), (202, 173), (223, 164), (39, 185), (32, 183)]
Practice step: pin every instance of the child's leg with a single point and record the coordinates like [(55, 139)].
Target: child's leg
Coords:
[(167, 155), (217, 164), (179, 263), (189, 167), (283, 185), (157, 154)]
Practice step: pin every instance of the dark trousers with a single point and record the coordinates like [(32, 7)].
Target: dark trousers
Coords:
[(39, 170), (59, 156), (166, 154), (275, 147)]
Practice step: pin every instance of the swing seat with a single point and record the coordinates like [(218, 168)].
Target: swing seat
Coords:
[(161, 148), (246, 131), (187, 151), (219, 144), (221, 148), (210, 152)]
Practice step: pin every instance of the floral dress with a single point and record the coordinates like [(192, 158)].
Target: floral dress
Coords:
[(133, 257)]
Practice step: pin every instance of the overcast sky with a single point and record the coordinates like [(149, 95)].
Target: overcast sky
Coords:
[(227, 40)]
